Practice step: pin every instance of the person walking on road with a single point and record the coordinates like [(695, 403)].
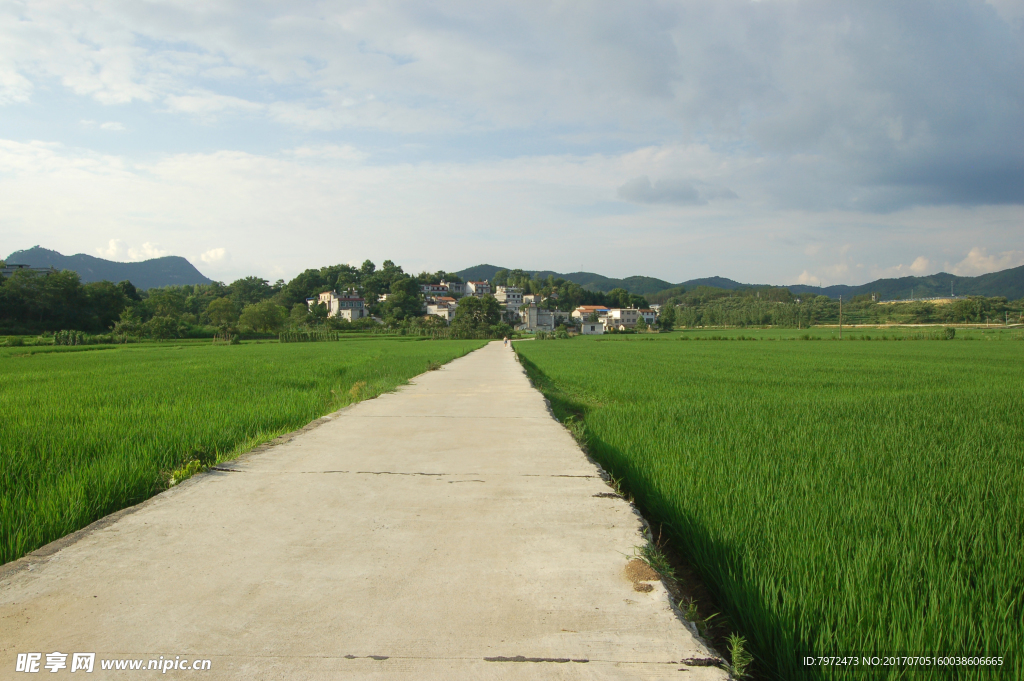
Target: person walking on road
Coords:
[(506, 341)]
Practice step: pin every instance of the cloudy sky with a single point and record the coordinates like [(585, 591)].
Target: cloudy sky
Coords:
[(772, 142)]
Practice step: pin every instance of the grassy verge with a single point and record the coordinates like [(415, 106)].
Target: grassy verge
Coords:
[(836, 498), (87, 433)]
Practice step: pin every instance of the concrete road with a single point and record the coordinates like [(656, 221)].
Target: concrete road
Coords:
[(452, 529)]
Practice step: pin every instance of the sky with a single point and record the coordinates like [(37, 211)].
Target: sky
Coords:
[(776, 142)]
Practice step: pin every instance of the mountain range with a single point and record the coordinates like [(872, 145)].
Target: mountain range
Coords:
[(175, 270), (1008, 283), (167, 271)]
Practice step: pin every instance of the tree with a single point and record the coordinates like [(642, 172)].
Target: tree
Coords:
[(404, 300), (128, 289), (667, 318), (618, 297), (104, 301), (162, 327), (593, 318), (476, 316), (129, 324), (263, 316), (221, 313), (641, 323), (318, 313), (250, 290), (299, 314)]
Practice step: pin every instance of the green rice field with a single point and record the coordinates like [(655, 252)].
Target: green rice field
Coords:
[(88, 430), (860, 498)]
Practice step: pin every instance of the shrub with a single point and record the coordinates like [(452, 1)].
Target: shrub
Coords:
[(69, 338)]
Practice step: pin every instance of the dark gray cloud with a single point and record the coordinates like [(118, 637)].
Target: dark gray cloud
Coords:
[(679, 192)]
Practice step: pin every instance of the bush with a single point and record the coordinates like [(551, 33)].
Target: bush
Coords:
[(950, 333), (15, 341), (69, 338)]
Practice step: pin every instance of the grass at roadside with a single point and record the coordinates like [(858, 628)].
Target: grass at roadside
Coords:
[(87, 433), (837, 498)]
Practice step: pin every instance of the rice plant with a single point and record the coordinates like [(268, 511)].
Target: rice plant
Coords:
[(837, 498)]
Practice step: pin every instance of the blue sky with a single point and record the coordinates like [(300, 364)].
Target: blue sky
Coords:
[(775, 141)]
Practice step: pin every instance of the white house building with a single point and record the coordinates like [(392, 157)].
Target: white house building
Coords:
[(478, 288), (623, 317), (592, 328), (348, 305), (444, 310), (510, 296), (433, 290), (650, 316)]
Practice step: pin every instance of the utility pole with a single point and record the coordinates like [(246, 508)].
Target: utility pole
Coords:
[(840, 317)]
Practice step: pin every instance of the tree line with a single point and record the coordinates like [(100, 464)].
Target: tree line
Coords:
[(777, 306), (33, 302)]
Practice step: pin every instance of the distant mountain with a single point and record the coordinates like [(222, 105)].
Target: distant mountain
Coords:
[(167, 271), (716, 282), (588, 280), (479, 273), (1008, 283)]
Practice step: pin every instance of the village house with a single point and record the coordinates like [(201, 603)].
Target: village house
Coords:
[(650, 315), (592, 328), (583, 311), (478, 288), (444, 308), (536, 319), (623, 317), (348, 305), (8, 269), (509, 296), (454, 288), (432, 290)]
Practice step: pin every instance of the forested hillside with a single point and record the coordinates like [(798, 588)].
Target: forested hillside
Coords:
[(167, 271)]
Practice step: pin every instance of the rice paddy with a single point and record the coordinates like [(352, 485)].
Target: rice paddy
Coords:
[(86, 431), (836, 498)]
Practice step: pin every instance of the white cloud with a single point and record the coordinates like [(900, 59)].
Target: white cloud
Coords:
[(115, 248), (978, 261), (147, 252), (333, 152), (921, 265), (208, 104), (112, 126), (808, 279), (214, 255)]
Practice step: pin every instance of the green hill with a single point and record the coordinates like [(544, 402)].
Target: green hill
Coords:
[(1008, 283), (167, 271), (589, 280)]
